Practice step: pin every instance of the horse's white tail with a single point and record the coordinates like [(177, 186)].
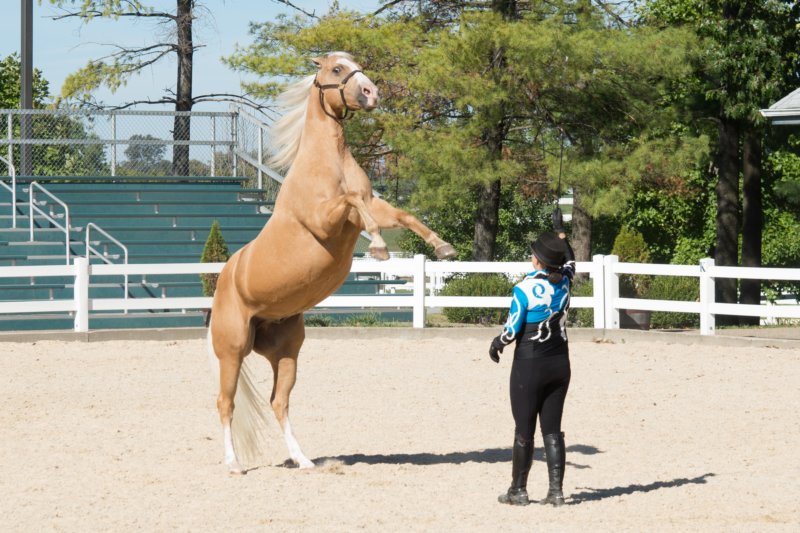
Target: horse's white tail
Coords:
[(249, 426)]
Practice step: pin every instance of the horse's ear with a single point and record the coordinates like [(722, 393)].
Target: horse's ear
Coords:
[(317, 61)]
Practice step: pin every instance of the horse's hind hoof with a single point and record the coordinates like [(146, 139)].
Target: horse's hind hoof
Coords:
[(236, 470), (381, 254), (445, 251)]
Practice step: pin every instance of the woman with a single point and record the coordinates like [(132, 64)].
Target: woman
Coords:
[(540, 372)]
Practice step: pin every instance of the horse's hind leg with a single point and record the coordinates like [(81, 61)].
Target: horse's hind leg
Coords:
[(280, 343)]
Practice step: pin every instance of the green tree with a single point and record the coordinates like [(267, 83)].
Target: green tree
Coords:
[(748, 57), (50, 159), (476, 98), (10, 84), (144, 156), (114, 69), (214, 251)]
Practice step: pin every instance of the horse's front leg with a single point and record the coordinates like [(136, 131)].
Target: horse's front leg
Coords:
[(388, 216), (332, 214)]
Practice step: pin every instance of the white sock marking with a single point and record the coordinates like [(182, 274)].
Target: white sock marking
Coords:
[(294, 448)]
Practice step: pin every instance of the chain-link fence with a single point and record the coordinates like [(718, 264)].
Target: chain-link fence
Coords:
[(119, 143)]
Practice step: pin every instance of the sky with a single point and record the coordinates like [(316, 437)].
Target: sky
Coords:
[(61, 47)]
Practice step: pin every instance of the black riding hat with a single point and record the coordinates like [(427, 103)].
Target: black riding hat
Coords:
[(550, 250)]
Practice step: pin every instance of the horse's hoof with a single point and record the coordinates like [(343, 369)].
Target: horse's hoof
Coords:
[(236, 470), (445, 251), (381, 254), (304, 464)]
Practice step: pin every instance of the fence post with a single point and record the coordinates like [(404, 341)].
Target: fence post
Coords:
[(707, 319), (598, 292), (611, 290), (10, 138), (113, 144), (419, 291), (234, 146), (81, 294), (260, 155), (213, 145)]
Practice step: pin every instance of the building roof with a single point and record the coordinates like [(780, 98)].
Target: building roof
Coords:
[(786, 110)]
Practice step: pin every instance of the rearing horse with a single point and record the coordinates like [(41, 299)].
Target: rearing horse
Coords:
[(301, 256)]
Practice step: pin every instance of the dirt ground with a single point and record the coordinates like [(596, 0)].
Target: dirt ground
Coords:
[(406, 436)]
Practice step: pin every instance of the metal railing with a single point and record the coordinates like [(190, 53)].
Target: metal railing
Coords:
[(12, 172), (120, 142), (251, 146), (104, 256), (34, 208)]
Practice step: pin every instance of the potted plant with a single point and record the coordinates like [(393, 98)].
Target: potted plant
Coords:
[(630, 247)]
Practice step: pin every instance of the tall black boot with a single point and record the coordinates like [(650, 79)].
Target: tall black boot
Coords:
[(556, 460), (521, 460)]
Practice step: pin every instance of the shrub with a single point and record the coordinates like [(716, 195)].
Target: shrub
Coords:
[(215, 251), (630, 247), (363, 319), (318, 320), (477, 285), (674, 288), (583, 317)]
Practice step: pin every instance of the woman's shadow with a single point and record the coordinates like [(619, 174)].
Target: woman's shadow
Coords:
[(591, 494), (503, 455)]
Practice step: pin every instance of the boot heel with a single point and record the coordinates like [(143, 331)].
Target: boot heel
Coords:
[(514, 497)]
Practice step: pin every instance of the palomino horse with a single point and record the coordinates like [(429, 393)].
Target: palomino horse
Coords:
[(302, 255)]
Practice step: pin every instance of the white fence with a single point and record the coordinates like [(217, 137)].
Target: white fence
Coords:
[(604, 272)]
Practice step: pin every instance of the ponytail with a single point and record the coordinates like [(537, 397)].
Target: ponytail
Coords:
[(554, 276)]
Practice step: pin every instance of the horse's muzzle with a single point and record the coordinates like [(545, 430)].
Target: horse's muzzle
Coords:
[(368, 97)]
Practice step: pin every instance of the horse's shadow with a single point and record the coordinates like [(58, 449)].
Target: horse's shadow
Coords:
[(490, 455), (590, 494)]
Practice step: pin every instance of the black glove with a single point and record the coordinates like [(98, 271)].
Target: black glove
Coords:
[(558, 220), (495, 349)]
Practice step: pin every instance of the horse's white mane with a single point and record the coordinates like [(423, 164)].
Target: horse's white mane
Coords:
[(288, 129)]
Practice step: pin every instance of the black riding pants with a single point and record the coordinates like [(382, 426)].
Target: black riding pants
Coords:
[(538, 388)]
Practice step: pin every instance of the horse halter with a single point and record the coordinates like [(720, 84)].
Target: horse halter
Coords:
[(341, 85)]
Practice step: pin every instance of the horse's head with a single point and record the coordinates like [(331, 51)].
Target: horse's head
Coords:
[(350, 89)]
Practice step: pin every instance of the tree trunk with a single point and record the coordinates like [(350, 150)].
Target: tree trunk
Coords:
[(727, 189), (487, 217), (486, 222), (581, 240), (752, 220), (183, 93)]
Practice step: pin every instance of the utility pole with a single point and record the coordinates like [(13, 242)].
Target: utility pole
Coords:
[(26, 85)]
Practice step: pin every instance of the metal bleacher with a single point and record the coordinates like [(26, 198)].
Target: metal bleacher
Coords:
[(96, 173), (159, 220)]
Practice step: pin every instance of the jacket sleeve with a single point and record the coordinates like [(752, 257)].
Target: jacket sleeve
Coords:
[(516, 317), (568, 269)]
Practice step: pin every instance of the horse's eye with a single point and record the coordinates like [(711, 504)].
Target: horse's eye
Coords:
[(336, 70)]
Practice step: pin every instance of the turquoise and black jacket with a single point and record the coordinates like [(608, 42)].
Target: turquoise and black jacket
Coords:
[(538, 314)]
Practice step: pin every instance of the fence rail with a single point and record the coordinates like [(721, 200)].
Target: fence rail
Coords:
[(604, 272)]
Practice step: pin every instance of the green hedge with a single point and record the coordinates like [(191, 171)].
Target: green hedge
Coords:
[(674, 288), (583, 317), (477, 285)]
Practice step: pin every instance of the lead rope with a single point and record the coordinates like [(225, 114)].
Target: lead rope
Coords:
[(560, 165)]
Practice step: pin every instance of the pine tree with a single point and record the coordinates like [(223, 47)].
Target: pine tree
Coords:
[(215, 251)]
